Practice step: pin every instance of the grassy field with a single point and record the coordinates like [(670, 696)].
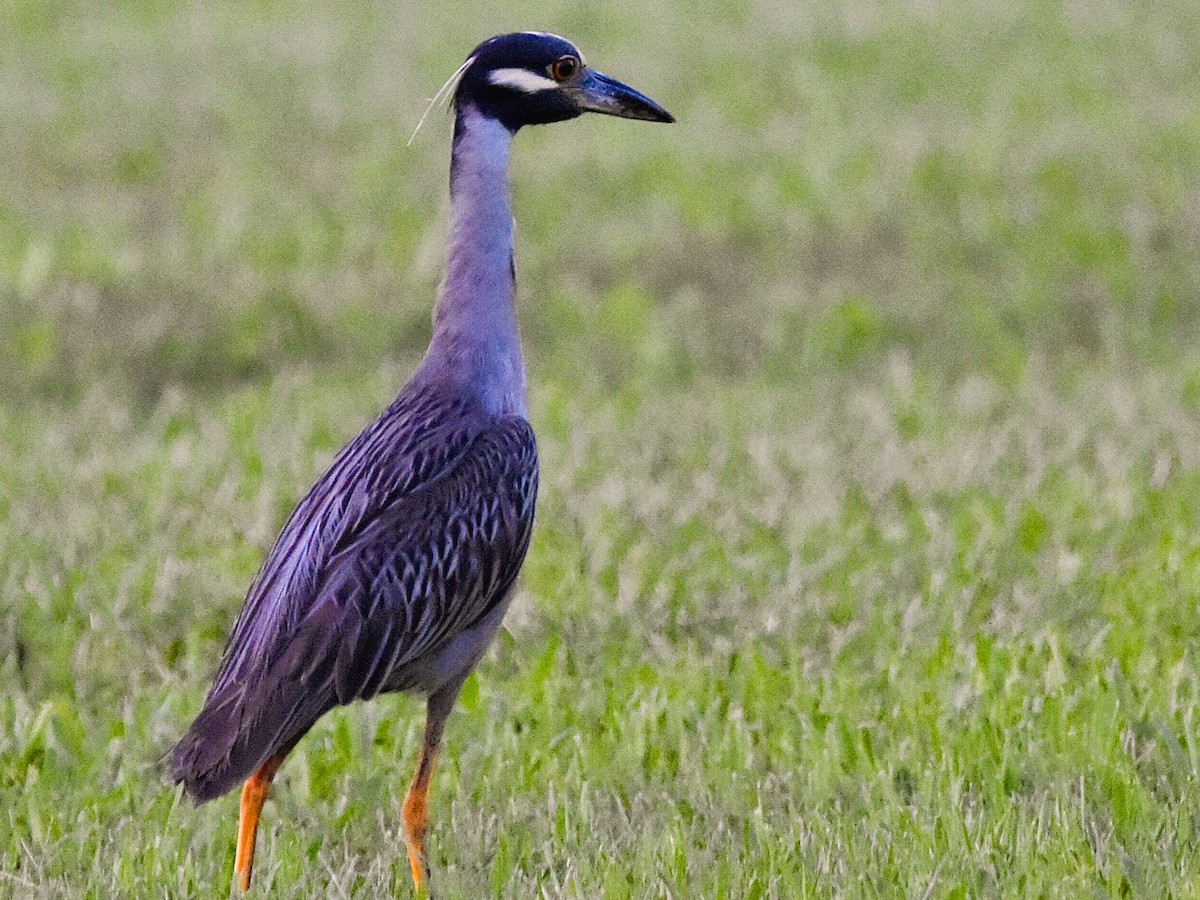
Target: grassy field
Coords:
[(868, 553)]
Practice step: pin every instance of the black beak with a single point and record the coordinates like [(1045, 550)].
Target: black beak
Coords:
[(600, 94)]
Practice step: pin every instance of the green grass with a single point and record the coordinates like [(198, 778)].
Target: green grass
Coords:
[(868, 556)]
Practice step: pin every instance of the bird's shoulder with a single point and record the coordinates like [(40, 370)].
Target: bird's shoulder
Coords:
[(421, 441)]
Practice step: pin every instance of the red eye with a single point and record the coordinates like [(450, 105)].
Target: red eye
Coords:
[(564, 68)]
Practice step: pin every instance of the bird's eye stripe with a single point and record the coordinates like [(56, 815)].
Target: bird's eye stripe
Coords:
[(521, 80)]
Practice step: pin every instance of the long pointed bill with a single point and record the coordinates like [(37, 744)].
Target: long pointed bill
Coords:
[(600, 94)]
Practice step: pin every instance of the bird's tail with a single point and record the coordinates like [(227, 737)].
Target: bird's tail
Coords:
[(251, 716), (217, 752), (233, 736)]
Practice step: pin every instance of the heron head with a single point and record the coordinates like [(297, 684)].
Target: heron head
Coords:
[(532, 78)]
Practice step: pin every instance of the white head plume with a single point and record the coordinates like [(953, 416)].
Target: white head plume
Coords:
[(443, 93)]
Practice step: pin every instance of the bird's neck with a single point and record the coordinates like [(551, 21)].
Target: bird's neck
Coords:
[(476, 345)]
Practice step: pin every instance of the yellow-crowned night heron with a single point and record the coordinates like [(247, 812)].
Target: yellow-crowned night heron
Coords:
[(394, 572)]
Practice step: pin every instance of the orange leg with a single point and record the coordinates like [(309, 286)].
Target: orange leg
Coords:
[(254, 795), (416, 817), (416, 802)]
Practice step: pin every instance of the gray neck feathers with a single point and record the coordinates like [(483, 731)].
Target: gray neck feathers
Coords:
[(476, 345)]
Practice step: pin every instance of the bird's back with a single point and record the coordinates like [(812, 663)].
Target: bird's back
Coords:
[(414, 533)]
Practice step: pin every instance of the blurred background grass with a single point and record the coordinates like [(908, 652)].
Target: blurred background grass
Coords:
[(867, 401), (207, 194)]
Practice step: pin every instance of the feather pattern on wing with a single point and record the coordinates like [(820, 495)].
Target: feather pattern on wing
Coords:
[(416, 531)]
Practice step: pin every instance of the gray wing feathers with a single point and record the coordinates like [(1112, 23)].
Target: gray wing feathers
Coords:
[(416, 441), (411, 537), (434, 564)]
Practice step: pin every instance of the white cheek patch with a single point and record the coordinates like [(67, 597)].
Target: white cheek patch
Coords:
[(522, 80)]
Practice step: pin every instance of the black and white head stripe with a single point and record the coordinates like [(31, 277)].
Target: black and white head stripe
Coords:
[(522, 80), (517, 77), (512, 78), (531, 81), (535, 78)]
